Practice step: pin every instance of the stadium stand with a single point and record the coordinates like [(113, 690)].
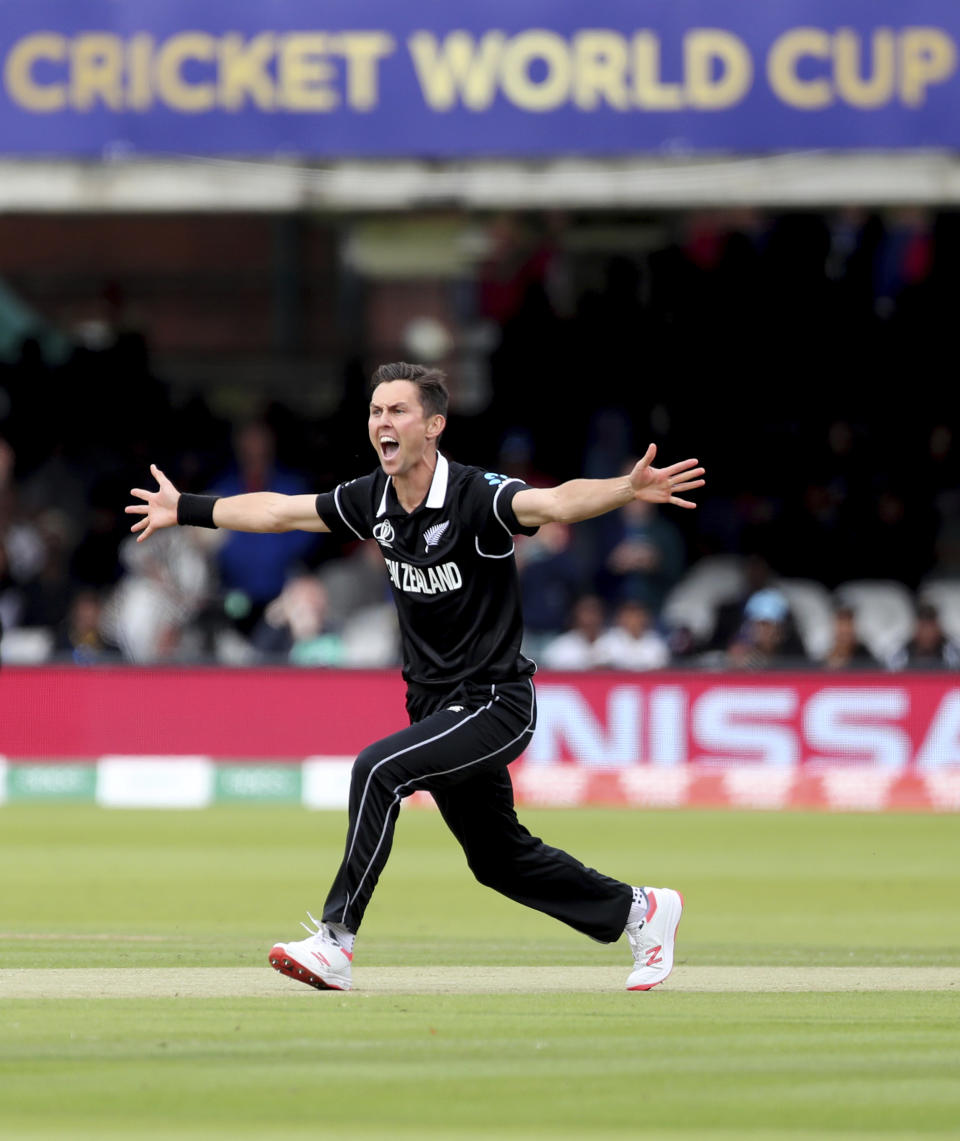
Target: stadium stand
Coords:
[(884, 611)]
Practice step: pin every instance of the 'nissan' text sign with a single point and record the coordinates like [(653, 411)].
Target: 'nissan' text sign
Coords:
[(891, 722), (894, 723)]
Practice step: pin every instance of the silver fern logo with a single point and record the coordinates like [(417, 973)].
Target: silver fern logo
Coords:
[(433, 535)]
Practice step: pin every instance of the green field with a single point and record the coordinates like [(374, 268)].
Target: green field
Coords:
[(87, 888)]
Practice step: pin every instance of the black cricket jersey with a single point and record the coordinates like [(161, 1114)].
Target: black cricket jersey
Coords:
[(451, 568)]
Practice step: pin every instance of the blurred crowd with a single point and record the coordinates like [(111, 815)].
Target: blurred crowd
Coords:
[(797, 356), (617, 593)]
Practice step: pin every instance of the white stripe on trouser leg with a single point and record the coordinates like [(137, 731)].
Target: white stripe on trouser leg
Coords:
[(393, 757), (398, 794)]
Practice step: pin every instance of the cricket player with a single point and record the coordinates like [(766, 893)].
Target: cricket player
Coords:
[(446, 534)]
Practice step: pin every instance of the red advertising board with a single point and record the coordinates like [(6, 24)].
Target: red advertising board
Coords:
[(864, 741), (895, 722), (70, 712)]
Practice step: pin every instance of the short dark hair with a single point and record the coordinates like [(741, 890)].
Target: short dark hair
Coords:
[(431, 383)]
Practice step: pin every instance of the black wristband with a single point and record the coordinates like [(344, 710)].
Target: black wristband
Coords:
[(196, 510)]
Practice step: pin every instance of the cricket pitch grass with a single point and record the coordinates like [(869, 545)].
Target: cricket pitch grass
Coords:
[(816, 992)]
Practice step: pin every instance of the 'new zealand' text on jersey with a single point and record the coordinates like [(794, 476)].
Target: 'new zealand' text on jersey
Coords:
[(451, 569)]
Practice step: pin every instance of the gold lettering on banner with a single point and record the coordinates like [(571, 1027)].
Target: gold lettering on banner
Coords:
[(304, 73), (363, 52), (897, 65), (535, 70), (649, 90), (18, 72), (601, 60), (244, 72), (854, 87), (782, 69), (96, 71), (458, 69), (703, 50), (140, 73), (519, 54), (927, 56), (172, 88), (297, 72), (539, 70)]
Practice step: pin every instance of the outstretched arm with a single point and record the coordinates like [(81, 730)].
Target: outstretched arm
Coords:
[(265, 511), (586, 498)]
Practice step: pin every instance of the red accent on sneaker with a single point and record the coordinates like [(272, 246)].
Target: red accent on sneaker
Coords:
[(324, 959), (281, 961), (650, 986), (651, 907), (655, 957)]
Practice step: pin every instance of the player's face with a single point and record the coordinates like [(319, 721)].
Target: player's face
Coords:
[(399, 431)]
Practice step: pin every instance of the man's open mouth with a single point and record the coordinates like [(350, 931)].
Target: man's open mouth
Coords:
[(389, 447)]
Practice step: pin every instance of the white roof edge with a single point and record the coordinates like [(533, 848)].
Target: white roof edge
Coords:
[(808, 178)]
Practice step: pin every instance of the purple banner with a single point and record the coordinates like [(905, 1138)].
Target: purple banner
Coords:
[(522, 78)]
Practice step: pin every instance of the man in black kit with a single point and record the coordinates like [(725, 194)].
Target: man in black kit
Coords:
[(446, 534)]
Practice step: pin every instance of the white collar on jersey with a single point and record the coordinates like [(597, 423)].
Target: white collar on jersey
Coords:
[(438, 486)]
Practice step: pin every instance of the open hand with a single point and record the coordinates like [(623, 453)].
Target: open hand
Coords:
[(160, 509), (661, 485)]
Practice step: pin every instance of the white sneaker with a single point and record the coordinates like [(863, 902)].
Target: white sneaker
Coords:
[(318, 960), (652, 939)]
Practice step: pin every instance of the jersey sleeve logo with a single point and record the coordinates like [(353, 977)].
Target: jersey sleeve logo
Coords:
[(433, 535), (383, 533), (494, 478)]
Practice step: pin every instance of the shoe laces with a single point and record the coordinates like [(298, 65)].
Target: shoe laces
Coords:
[(635, 935), (320, 932)]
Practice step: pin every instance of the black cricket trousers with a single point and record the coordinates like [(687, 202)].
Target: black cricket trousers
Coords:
[(458, 747)]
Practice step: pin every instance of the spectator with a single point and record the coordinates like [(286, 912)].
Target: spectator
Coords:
[(682, 644), (866, 288), (947, 538), (254, 567), (371, 639), (355, 582), (294, 626), (730, 616), (929, 648), (847, 651), (516, 457), (362, 613), (80, 637), (885, 536), (550, 582), (515, 296), (765, 641), (646, 559), (149, 611), (47, 593), (7, 488), (577, 649), (11, 600), (96, 561), (58, 485), (632, 643)]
